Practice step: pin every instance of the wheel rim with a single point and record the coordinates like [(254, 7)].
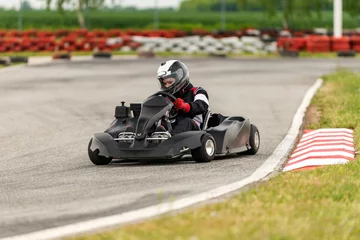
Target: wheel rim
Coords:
[(210, 147), (257, 139)]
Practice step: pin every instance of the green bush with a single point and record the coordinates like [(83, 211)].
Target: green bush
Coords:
[(170, 19)]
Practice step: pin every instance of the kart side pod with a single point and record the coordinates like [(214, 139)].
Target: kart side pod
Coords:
[(231, 135)]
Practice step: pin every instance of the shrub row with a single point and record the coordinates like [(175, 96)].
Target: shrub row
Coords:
[(167, 19)]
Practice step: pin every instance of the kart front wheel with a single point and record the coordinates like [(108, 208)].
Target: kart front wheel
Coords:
[(95, 158), (254, 140), (206, 152)]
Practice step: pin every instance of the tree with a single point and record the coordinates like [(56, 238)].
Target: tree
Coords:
[(289, 7), (352, 7), (79, 5), (208, 5), (26, 6)]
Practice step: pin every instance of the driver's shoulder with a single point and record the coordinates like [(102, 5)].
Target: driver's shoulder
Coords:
[(199, 90)]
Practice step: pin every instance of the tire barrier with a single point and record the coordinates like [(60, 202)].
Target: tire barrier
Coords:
[(205, 44), (64, 56), (341, 44), (355, 43), (319, 44), (146, 54), (106, 55), (289, 53), (346, 54), (177, 41), (5, 61), (18, 59)]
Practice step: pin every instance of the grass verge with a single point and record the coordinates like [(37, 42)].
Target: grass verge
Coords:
[(41, 54), (174, 54), (89, 53), (321, 55), (13, 64), (317, 204)]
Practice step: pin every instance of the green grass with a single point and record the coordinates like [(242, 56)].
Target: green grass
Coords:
[(172, 54), (40, 54), (13, 64), (316, 204), (250, 55), (168, 20), (319, 55), (114, 53), (89, 53), (25, 54)]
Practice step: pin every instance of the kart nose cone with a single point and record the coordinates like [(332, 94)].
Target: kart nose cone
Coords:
[(210, 147)]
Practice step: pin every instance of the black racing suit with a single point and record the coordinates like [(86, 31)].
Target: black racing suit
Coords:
[(198, 100)]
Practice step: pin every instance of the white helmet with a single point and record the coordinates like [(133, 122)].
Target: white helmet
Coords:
[(175, 71)]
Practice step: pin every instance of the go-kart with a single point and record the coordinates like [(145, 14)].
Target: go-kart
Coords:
[(133, 134)]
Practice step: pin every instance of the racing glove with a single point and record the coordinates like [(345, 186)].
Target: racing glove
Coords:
[(181, 104)]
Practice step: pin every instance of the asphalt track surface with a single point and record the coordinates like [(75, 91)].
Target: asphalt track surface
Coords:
[(50, 112)]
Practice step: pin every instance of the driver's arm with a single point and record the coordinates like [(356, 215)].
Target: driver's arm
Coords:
[(200, 104)]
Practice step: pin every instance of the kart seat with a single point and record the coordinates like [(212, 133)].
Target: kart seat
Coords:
[(136, 109), (215, 119), (206, 118)]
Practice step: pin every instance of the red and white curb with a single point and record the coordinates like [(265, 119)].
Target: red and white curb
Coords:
[(322, 147)]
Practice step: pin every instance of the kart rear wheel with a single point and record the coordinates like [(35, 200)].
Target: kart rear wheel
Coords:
[(206, 152), (254, 140), (95, 158)]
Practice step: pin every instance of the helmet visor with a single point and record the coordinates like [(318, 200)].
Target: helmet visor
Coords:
[(169, 80)]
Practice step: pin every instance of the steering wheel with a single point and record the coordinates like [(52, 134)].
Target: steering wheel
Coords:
[(166, 94), (173, 111)]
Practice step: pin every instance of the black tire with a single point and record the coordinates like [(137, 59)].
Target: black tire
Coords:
[(95, 158), (200, 154), (289, 53), (346, 53), (102, 55), (254, 140), (146, 54), (18, 59), (66, 56), (5, 61)]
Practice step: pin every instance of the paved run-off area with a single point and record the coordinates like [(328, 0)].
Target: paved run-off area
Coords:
[(49, 113)]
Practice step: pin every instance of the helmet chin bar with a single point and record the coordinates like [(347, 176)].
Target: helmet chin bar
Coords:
[(180, 87)]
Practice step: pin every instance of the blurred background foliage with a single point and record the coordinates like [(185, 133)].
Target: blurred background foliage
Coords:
[(191, 14)]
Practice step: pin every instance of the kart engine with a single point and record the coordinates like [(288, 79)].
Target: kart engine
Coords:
[(156, 137), (127, 137)]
